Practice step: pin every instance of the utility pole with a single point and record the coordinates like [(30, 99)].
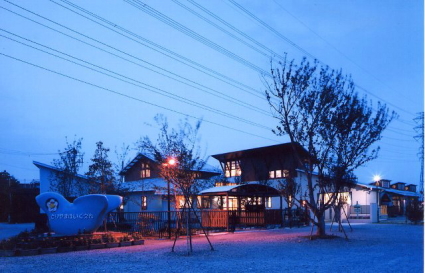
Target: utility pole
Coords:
[(9, 217), (420, 137)]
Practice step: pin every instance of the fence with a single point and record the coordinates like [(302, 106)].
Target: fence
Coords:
[(359, 212), (163, 223)]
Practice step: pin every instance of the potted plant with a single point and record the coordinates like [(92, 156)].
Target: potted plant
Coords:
[(137, 238), (110, 240), (125, 241), (96, 243)]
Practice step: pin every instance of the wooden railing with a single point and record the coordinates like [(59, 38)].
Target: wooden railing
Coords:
[(163, 223)]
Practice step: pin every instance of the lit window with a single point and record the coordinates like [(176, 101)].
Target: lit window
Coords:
[(278, 174), (144, 203), (268, 202), (232, 169), (182, 201), (146, 171)]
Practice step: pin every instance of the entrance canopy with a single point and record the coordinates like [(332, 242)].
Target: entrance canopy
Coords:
[(242, 190)]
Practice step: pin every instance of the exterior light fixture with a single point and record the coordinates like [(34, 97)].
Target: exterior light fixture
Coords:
[(172, 161)]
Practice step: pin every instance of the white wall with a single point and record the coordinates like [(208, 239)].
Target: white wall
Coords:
[(363, 197)]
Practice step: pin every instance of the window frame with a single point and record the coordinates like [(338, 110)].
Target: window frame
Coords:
[(144, 202), (145, 170)]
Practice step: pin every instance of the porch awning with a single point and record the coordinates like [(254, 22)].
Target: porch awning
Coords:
[(242, 190)]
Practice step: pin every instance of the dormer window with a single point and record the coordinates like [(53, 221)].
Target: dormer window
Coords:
[(278, 174), (145, 170), (385, 184), (232, 169)]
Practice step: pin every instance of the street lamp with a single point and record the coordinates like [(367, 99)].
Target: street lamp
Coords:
[(377, 178), (170, 162)]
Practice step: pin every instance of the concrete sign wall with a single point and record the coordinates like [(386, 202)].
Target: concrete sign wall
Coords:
[(85, 214)]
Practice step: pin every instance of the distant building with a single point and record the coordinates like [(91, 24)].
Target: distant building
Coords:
[(48, 178)]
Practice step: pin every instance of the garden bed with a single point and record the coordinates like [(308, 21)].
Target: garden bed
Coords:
[(30, 243)]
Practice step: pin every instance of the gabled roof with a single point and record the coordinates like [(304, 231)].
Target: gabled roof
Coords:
[(261, 151), (249, 189), (206, 169), (138, 157), (390, 190), (55, 169)]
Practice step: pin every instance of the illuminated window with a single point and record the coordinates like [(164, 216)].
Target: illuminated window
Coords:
[(144, 203), (182, 201), (278, 174), (146, 171), (232, 169), (268, 202)]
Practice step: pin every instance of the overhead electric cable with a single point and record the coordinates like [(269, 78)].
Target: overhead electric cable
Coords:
[(224, 22), (277, 33), (135, 82), (16, 152), (339, 51), (185, 30), (129, 97), (269, 53), (221, 95), (147, 43), (160, 49)]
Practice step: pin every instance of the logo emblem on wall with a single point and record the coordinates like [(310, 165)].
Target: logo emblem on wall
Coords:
[(52, 205)]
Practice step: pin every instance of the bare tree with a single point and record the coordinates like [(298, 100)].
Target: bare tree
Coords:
[(319, 109), (65, 180), (181, 162)]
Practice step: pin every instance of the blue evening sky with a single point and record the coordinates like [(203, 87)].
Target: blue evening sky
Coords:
[(101, 70)]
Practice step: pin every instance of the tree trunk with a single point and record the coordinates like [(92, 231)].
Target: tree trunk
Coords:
[(321, 229)]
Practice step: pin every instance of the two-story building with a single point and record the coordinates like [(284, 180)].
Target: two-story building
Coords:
[(147, 191), (257, 172)]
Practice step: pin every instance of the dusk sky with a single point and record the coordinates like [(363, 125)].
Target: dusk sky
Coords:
[(102, 70)]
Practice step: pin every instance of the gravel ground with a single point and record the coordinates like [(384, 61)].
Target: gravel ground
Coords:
[(370, 248)]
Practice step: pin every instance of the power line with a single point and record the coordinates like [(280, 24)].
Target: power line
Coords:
[(247, 36), (185, 30), (190, 83), (16, 152), (130, 97), (277, 33), (268, 52), (337, 50), (224, 22), (142, 41), (137, 83), (158, 48)]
